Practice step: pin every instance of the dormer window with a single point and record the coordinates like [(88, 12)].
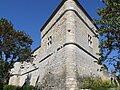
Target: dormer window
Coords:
[(90, 42)]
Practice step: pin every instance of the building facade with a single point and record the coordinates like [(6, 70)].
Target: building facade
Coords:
[(67, 52)]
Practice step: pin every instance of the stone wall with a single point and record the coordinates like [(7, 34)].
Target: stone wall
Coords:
[(64, 55)]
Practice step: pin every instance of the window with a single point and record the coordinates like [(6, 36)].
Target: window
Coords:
[(21, 67), (49, 41), (90, 42)]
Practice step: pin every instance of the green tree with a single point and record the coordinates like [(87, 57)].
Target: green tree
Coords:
[(14, 46), (4, 67), (109, 32)]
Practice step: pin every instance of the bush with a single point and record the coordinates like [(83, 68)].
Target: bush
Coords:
[(118, 88), (96, 84), (10, 87), (1, 86), (28, 87)]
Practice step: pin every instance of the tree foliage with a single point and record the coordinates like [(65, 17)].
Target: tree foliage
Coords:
[(109, 31), (14, 46)]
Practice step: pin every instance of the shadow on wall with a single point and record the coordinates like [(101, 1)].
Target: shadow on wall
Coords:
[(51, 82)]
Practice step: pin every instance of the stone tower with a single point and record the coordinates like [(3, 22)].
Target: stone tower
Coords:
[(67, 52)]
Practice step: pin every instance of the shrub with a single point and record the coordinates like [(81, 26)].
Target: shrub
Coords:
[(10, 87), (28, 87), (1, 86), (118, 88), (96, 84)]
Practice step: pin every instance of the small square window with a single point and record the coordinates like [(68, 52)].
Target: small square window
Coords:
[(49, 42), (90, 42)]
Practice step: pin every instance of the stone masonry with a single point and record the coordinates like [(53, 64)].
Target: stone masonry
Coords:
[(67, 52)]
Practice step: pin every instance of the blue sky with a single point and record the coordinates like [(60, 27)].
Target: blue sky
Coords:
[(30, 15)]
